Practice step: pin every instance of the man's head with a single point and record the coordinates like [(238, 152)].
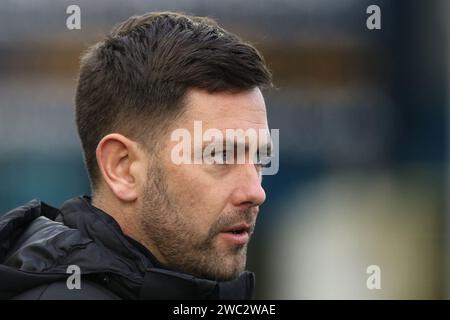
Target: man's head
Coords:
[(156, 73)]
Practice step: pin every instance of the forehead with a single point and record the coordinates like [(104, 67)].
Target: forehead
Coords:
[(225, 110)]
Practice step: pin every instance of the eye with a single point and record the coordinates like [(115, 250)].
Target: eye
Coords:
[(267, 164), (263, 161), (223, 156)]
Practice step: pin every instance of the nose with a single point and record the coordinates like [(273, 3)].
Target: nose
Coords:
[(248, 191)]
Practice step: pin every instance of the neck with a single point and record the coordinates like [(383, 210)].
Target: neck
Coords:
[(128, 218)]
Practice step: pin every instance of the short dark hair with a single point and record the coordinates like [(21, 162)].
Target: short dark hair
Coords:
[(133, 82)]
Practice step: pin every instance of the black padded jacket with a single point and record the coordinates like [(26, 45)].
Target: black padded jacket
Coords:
[(38, 243)]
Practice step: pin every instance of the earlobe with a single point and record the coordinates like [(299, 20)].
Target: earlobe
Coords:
[(115, 156)]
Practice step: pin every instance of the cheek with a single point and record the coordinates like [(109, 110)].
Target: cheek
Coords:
[(199, 195)]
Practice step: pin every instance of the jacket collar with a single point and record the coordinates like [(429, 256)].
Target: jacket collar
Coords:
[(160, 284)]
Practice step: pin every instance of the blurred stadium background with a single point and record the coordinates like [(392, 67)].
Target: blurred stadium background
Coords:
[(362, 117)]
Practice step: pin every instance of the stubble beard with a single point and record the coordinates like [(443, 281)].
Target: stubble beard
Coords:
[(183, 247)]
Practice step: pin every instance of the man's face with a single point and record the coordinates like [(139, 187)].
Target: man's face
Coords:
[(200, 217)]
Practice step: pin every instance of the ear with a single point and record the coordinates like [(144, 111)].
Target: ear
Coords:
[(121, 163)]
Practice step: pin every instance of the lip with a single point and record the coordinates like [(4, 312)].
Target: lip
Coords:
[(236, 238), (241, 226)]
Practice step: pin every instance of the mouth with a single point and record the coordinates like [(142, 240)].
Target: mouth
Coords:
[(237, 235)]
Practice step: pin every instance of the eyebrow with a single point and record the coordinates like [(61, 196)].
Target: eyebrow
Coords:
[(267, 146)]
